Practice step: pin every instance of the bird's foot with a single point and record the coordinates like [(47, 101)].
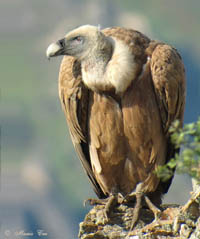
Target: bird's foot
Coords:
[(108, 203), (138, 195)]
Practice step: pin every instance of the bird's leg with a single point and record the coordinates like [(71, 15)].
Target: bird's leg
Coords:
[(136, 209), (139, 194), (111, 203), (136, 195)]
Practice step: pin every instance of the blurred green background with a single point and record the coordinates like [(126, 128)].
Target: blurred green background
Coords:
[(42, 182)]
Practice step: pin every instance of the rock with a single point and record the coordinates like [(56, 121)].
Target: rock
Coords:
[(171, 224)]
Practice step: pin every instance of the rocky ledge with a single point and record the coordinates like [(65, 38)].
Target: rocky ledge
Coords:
[(172, 223)]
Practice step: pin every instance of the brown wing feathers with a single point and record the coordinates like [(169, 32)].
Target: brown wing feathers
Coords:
[(74, 99), (168, 76)]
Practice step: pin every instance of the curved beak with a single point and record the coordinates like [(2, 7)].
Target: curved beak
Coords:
[(55, 49)]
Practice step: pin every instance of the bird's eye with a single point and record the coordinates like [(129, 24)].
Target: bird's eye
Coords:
[(77, 39)]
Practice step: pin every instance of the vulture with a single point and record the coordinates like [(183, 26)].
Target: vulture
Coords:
[(120, 92)]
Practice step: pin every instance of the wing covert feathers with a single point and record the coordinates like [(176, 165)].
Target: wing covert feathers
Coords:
[(168, 77), (74, 99)]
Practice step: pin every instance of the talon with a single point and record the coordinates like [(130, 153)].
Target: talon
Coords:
[(94, 202)]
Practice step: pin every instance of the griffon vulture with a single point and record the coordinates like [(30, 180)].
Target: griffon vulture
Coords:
[(120, 92)]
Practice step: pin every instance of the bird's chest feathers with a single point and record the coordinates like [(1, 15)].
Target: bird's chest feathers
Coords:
[(93, 75), (117, 73)]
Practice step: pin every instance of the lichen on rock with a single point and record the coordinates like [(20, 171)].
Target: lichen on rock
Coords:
[(172, 223)]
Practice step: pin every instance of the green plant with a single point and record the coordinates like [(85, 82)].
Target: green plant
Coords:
[(188, 160)]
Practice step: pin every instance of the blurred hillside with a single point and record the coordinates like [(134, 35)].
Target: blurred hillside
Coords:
[(33, 127)]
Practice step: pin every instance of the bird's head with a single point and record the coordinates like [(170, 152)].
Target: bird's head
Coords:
[(80, 43)]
